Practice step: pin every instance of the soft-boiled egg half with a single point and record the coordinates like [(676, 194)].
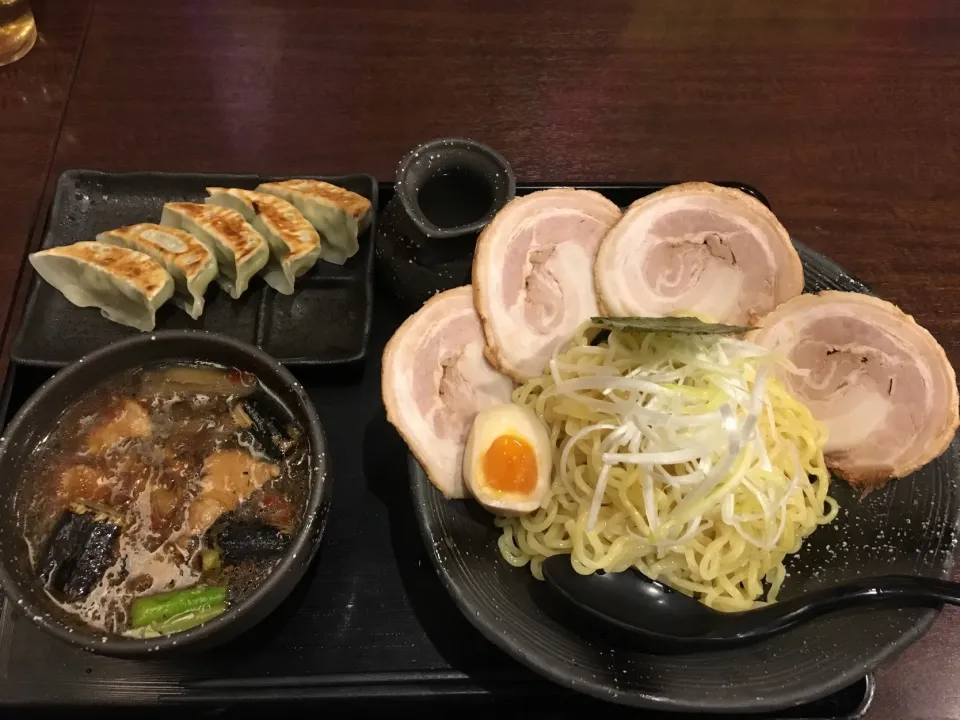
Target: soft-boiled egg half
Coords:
[(508, 459)]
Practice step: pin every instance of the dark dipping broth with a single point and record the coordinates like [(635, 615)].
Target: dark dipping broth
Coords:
[(158, 480)]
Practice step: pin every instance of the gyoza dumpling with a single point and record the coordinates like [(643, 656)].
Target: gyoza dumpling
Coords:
[(128, 286), (190, 263), (354, 204), (240, 250), (294, 244), (337, 213)]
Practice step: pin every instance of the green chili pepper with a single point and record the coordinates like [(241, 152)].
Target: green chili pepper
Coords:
[(191, 618), (154, 609)]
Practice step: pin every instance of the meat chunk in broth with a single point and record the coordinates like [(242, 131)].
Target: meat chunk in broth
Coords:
[(163, 507), (128, 419), (229, 477), (82, 483), (113, 482)]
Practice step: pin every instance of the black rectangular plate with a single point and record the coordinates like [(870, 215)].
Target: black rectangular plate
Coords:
[(325, 322), (369, 629)]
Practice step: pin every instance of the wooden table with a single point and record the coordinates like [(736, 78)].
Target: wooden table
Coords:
[(847, 115), (33, 96)]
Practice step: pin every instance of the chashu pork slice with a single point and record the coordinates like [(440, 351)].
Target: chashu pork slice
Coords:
[(435, 380), (533, 275), (697, 247), (878, 381)]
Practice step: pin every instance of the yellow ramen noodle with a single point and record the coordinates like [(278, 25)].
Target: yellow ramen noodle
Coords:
[(713, 524)]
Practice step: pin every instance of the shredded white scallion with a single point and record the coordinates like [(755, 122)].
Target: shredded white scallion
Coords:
[(676, 454)]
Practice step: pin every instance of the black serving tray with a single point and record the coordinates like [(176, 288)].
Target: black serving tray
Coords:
[(369, 629), (326, 321)]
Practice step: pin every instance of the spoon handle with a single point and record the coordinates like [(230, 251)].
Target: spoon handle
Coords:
[(887, 590)]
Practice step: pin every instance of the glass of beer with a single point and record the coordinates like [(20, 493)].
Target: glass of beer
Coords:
[(18, 30)]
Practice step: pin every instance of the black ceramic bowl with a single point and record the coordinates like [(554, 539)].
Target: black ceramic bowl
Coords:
[(446, 192), (909, 526), (35, 420)]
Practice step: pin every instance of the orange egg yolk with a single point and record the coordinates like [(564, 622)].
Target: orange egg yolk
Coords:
[(510, 465)]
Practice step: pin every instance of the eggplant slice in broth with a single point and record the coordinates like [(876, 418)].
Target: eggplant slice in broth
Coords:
[(273, 441), (238, 540), (83, 545)]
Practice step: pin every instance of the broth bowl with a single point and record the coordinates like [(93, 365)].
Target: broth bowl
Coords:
[(36, 419)]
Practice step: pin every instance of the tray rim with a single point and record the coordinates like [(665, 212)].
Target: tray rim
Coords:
[(300, 361)]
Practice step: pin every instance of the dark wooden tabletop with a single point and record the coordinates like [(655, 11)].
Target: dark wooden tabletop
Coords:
[(846, 114)]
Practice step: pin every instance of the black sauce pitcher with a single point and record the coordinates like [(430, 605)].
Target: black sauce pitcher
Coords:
[(446, 191)]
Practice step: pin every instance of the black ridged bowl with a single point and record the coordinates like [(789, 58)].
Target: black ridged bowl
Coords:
[(420, 252), (36, 418), (909, 526)]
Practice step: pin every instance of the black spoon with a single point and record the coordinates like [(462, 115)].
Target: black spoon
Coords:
[(659, 617)]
